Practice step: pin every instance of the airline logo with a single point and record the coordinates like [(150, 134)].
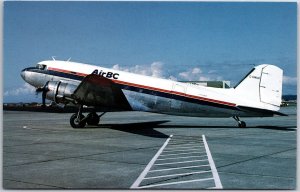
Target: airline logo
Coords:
[(108, 74)]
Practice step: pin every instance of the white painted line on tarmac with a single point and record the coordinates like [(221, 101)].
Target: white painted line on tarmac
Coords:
[(181, 150), (212, 165), (174, 183), (182, 143), (193, 146), (148, 167), (178, 174), (181, 162), (25, 127), (182, 146), (182, 154), (180, 157), (176, 168)]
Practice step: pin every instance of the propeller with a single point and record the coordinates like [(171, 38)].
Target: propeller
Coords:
[(44, 91)]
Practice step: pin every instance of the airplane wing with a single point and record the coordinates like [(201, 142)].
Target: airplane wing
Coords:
[(95, 90)]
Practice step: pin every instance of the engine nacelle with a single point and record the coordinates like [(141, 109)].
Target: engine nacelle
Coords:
[(60, 92)]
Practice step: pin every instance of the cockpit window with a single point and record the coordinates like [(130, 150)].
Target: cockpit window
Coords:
[(41, 67)]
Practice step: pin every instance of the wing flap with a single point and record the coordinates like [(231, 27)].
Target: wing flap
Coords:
[(95, 90)]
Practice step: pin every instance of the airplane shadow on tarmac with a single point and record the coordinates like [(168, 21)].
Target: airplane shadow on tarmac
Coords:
[(148, 128), (283, 128), (144, 128)]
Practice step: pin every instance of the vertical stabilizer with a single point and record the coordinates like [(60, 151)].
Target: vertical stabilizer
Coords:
[(262, 84)]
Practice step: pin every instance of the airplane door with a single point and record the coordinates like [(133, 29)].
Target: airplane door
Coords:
[(177, 91)]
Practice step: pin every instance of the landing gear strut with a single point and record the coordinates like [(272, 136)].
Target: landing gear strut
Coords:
[(241, 124), (78, 120)]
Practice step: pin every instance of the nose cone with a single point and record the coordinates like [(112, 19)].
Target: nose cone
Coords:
[(23, 73)]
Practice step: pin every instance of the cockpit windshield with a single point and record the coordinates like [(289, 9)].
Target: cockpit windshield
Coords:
[(41, 67)]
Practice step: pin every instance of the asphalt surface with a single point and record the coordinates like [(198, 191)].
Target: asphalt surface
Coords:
[(42, 151)]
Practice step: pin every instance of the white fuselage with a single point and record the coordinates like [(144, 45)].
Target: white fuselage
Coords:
[(153, 94)]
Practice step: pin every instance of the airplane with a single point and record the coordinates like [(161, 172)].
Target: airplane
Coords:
[(258, 94)]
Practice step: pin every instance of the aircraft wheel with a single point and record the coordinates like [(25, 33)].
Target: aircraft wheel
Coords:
[(242, 124), (93, 119), (77, 123)]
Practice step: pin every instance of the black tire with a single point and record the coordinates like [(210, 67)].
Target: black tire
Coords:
[(77, 123), (242, 124), (93, 119)]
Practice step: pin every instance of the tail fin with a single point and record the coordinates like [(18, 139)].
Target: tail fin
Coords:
[(262, 84)]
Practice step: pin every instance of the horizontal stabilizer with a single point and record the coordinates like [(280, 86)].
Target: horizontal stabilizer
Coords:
[(263, 111)]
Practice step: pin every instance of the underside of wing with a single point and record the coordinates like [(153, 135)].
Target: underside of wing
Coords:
[(95, 90)]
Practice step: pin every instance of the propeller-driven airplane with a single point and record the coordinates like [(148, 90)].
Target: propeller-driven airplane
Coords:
[(258, 94)]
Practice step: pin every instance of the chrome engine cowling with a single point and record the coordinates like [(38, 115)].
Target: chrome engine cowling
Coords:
[(60, 92)]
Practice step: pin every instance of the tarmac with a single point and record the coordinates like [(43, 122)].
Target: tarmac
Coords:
[(42, 151)]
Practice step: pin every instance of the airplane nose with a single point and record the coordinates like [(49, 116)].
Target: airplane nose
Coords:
[(23, 73)]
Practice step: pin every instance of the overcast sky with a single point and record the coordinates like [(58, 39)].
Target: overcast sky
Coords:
[(176, 40)]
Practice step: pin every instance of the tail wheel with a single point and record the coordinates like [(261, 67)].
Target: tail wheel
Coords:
[(77, 122), (93, 119), (242, 124)]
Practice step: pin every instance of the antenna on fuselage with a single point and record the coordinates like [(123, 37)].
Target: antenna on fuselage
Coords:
[(53, 57), (69, 59)]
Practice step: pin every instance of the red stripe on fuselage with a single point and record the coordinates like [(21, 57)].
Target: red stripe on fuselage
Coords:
[(150, 88), (177, 93)]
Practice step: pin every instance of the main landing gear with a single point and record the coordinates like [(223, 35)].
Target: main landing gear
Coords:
[(78, 120), (241, 124)]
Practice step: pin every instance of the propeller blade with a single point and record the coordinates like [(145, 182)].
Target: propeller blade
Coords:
[(44, 91), (44, 98)]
